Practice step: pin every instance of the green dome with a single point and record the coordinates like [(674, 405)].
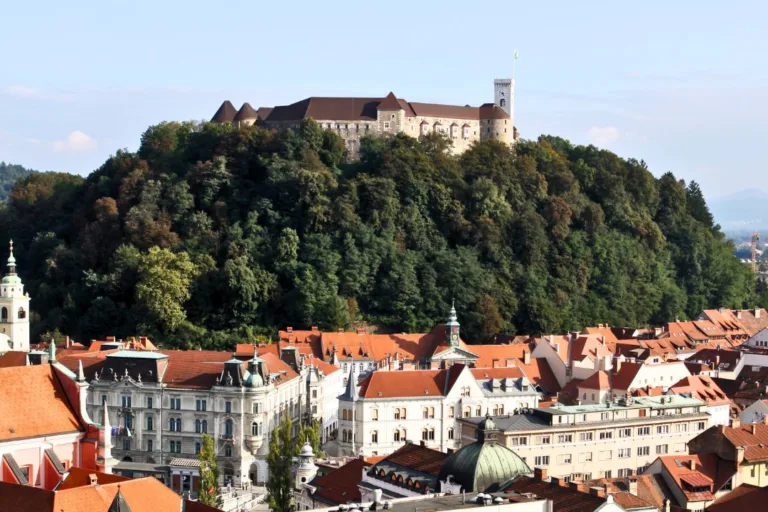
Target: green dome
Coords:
[(12, 280), (483, 467)]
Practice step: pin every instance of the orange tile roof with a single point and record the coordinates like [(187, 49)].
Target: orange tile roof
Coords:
[(705, 470), (38, 385), (754, 439), (340, 485), (701, 387), (753, 320), (353, 345), (503, 353), (598, 380), (610, 337), (409, 383), (191, 375), (325, 368), (539, 373), (275, 365), (622, 377), (565, 499), (11, 359), (197, 356), (651, 491), (417, 457), (142, 495), (79, 477), (513, 372), (23, 498)]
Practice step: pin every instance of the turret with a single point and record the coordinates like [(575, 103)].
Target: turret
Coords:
[(105, 462), (452, 328), (306, 470)]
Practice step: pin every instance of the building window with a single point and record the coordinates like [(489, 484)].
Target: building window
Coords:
[(565, 438), (479, 411), (228, 450), (662, 449), (255, 429), (126, 402), (149, 402), (150, 423), (519, 441), (256, 408), (700, 425), (564, 459), (644, 451), (450, 411), (228, 407), (644, 431), (454, 131), (198, 426), (103, 399), (374, 437), (150, 445), (128, 421), (606, 434), (386, 125), (400, 413), (625, 432), (585, 457), (541, 460), (586, 436), (197, 448), (374, 415), (662, 429), (450, 433), (467, 411), (201, 405), (176, 403), (126, 444), (544, 440), (172, 425), (625, 453), (204, 427), (605, 455), (429, 413), (228, 427)]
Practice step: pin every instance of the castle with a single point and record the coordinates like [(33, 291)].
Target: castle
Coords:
[(353, 118)]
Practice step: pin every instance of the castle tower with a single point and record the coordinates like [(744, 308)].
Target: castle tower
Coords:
[(452, 328), (14, 307), (504, 96), (307, 469)]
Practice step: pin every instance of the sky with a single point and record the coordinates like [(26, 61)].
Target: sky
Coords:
[(681, 85)]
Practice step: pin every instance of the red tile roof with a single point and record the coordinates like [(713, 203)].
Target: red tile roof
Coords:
[(701, 387), (418, 458), (11, 359), (598, 380), (190, 375), (622, 377), (415, 383), (742, 499), (38, 385), (513, 372), (540, 374), (325, 368), (753, 437), (707, 469), (340, 485), (564, 499), (276, 366), (504, 354), (79, 477)]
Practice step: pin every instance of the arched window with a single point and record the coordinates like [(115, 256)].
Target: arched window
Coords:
[(479, 411), (204, 426), (431, 434), (402, 434), (450, 433), (402, 414), (374, 437), (228, 427), (22, 313), (503, 102), (467, 411), (198, 426), (178, 424), (424, 434), (254, 429), (172, 425), (4, 314), (374, 415), (396, 435)]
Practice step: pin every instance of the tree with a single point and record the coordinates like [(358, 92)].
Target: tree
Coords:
[(311, 433), (280, 459), (163, 287), (208, 493)]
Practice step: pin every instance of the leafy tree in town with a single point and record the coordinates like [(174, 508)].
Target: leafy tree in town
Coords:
[(280, 460), (209, 474), (311, 433)]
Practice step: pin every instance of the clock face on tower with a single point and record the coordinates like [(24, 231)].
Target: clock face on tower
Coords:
[(454, 337)]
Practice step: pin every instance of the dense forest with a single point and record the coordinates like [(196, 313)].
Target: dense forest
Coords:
[(9, 175), (212, 234)]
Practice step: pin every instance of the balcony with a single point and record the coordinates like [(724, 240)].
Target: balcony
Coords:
[(227, 437), (253, 443)]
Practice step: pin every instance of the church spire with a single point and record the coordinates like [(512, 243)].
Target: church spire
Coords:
[(452, 327), (11, 260)]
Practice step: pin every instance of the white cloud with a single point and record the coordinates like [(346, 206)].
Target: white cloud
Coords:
[(76, 141), (603, 135), (31, 93)]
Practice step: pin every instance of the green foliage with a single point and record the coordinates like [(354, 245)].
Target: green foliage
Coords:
[(209, 474), (9, 175), (311, 433), (211, 235), (282, 451)]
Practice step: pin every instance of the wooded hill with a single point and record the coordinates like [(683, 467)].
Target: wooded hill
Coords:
[(210, 234)]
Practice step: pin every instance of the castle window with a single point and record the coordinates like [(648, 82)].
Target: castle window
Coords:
[(374, 437), (4, 314), (503, 102), (466, 132), (393, 116), (386, 125), (454, 131)]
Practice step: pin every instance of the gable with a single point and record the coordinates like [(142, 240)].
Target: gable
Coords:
[(454, 353)]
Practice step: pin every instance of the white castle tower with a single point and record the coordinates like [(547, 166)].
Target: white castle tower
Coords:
[(504, 96), (14, 309)]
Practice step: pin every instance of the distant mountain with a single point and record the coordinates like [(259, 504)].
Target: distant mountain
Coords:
[(9, 175), (741, 212)]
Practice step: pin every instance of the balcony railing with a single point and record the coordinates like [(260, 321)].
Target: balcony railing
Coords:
[(227, 437)]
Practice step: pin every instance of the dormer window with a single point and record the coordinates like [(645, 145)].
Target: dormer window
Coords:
[(454, 131), (466, 132)]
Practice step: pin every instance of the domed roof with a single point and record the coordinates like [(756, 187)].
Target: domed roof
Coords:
[(484, 467), (306, 450), (11, 280)]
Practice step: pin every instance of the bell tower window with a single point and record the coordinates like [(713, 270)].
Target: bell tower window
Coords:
[(4, 314)]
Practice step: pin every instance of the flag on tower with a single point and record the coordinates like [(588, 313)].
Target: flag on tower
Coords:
[(517, 54)]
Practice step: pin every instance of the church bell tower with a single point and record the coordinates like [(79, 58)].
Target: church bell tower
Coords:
[(452, 328), (14, 308)]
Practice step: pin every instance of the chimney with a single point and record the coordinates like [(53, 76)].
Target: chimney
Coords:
[(765, 419), (633, 486), (289, 329), (558, 481), (540, 473), (577, 486), (739, 456), (666, 505), (93, 479), (423, 443), (738, 314), (618, 364), (735, 423), (717, 359), (597, 491), (527, 357), (315, 328), (754, 429), (693, 465), (68, 342), (757, 313)]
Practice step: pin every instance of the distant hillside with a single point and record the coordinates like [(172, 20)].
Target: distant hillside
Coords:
[(9, 175), (742, 212)]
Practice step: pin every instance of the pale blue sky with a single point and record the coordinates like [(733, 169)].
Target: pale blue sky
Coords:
[(679, 84)]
